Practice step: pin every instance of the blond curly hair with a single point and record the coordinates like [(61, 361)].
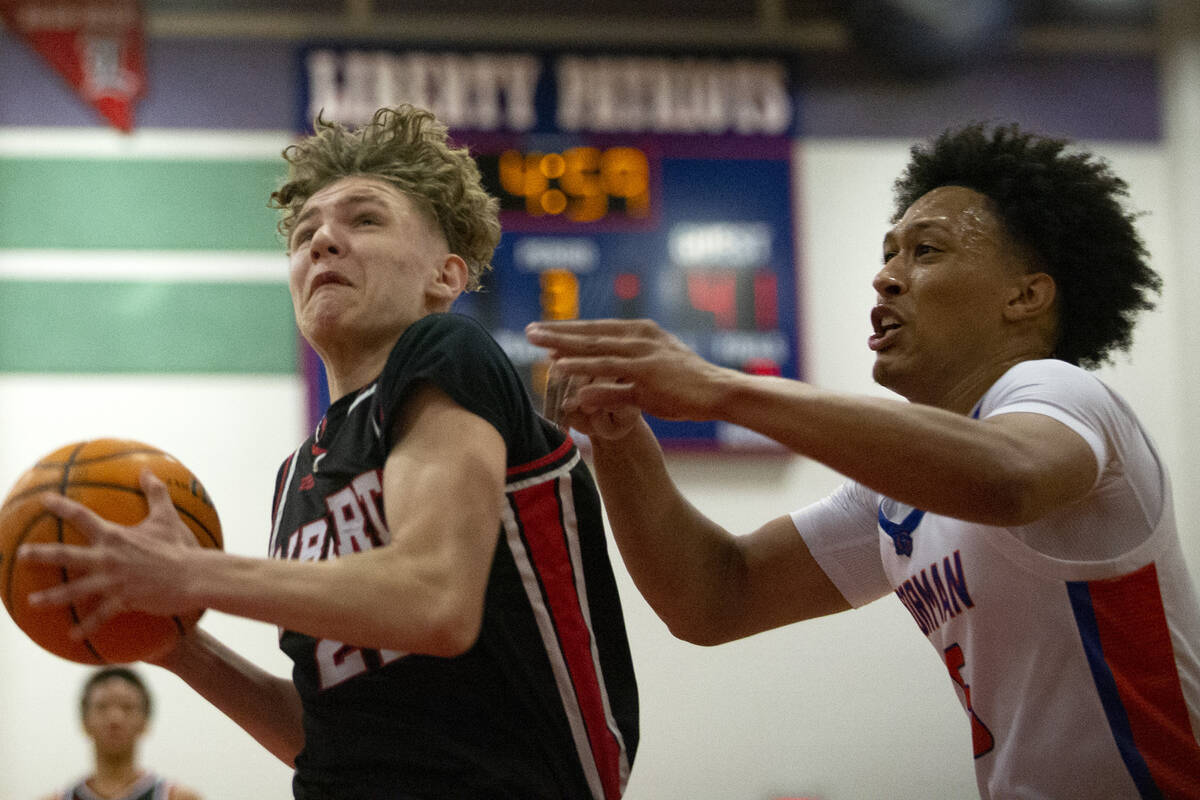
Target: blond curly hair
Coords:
[(409, 148)]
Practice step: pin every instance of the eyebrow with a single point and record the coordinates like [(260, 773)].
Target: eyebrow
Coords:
[(356, 199), (919, 225)]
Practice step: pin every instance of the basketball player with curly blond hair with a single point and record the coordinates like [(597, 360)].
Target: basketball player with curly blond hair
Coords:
[(438, 568)]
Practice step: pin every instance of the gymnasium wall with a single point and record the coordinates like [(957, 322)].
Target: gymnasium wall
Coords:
[(143, 294)]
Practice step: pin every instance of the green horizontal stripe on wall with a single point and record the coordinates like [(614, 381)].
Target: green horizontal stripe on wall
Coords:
[(146, 327), (133, 204)]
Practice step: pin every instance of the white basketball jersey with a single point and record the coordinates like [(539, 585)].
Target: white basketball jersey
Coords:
[(1077, 677), (1074, 642)]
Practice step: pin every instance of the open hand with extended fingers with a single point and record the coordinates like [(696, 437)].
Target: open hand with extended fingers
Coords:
[(613, 365), (130, 568)]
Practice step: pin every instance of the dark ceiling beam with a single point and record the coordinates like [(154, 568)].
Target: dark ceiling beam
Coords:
[(770, 30)]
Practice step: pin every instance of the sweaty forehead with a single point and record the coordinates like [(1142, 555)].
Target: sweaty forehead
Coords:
[(955, 208)]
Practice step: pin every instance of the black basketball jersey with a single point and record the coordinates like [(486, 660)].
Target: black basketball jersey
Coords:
[(544, 705)]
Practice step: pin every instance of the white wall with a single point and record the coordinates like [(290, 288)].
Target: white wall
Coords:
[(232, 433), (855, 706)]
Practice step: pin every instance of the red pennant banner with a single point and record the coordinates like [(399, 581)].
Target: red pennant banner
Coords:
[(95, 45)]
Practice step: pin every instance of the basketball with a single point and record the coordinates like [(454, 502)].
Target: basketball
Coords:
[(101, 474)]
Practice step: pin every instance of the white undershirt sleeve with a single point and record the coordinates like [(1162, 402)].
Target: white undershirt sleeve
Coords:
[(841, 533)]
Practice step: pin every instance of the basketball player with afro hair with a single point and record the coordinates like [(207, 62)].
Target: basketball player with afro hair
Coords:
[(1012, 502)]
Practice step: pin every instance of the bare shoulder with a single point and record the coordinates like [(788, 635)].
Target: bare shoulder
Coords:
[(182, 793)]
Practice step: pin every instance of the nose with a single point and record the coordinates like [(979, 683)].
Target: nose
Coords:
[(887, 282), (324, 242)]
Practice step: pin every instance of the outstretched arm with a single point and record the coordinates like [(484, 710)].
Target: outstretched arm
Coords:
[(1007, 470), (706, 584)]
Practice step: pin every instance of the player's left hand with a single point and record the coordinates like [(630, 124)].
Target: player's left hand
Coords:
[(128, 568), (595, 419)]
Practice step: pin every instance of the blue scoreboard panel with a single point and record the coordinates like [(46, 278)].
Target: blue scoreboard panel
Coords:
[(695, 231)]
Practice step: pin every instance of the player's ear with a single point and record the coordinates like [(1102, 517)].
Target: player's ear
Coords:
[(1031, 296), (448, 283)]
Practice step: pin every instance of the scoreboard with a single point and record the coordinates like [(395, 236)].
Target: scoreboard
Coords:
[(692, 229)]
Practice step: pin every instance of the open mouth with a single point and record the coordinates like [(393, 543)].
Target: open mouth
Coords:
[(886, 324)]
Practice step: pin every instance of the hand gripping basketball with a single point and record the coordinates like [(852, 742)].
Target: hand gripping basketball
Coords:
[(100, 523)]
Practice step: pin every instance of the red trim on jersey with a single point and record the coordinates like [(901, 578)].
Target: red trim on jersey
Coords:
[(1136, 643), (556, 454), (279, 490), (539, 511)]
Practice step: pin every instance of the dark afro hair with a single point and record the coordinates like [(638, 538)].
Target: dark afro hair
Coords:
[(1067, 209)]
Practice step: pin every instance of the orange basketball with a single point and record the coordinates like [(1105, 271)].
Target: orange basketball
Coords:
[(102, 474)]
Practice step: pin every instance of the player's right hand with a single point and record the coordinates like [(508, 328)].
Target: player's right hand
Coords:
[(621, 363)]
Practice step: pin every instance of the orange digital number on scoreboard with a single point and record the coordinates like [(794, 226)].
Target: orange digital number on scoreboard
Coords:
[(582, 184)]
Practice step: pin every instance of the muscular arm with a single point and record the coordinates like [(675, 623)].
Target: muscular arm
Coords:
[(421, 593), (710, 586), (706, 584), (1007, 470)]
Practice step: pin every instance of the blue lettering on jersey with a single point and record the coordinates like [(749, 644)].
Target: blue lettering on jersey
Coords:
[(932, 600)]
